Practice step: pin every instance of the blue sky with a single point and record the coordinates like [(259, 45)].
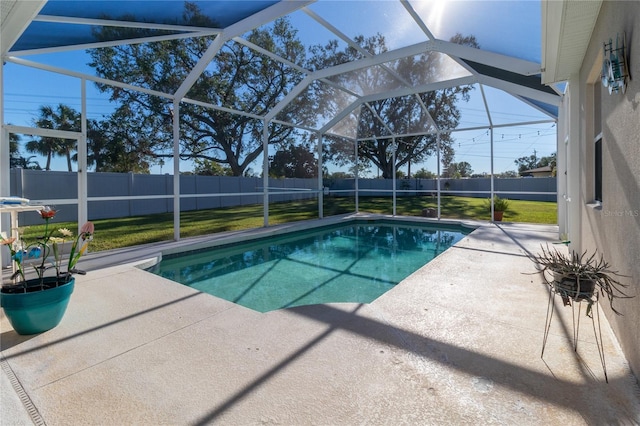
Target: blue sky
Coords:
[(26, 89)]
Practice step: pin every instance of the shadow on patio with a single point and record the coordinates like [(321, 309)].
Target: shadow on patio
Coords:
[(457, 342)]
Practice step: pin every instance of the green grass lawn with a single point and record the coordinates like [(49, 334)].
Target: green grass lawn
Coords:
[(131, 231)]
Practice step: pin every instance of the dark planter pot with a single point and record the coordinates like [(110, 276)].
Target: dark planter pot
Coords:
[(429, 212), (36, 310), (497, 216), (570, 288)]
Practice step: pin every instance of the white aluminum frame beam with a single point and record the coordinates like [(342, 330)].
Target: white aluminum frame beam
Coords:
[(289, 97), (37, 131), (537, 107), (516, 89), (496, 60), (95, 45), (507, 63), (185, 31), (271, 55), (418, 20), (221, 108), (176, 170), (405, 91), (89, 77), (82, 177), (461, 129), (17, 20), (123, 24), (254, 21)]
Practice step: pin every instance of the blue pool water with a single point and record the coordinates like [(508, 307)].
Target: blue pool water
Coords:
[(353, 263)]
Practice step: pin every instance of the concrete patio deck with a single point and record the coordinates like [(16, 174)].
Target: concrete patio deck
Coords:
[(458, 342)]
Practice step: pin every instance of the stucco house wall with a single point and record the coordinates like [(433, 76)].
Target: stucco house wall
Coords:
[(613, 226)]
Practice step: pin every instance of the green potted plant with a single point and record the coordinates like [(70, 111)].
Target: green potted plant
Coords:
[(500, 205), (577, 277), (37, 303)]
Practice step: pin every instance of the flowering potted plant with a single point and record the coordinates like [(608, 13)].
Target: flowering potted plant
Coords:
[(38, 303)]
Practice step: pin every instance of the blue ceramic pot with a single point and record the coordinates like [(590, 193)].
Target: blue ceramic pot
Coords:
[(37, 311)]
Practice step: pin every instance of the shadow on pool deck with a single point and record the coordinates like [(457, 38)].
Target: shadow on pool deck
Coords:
[(457, 342)]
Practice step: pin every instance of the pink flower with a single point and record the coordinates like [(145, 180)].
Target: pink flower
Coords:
[(8, 241), (87, 230)]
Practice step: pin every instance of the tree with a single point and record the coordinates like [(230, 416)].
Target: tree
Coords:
[(458, 170), (550, 161), (24, 163), (112, 147), (297, 161), (339, 175), (451, 171), (14, 143), (526, 162), (402, 115), (61, 118), (210, 168), (533, 162), (238, 78), (424, 174), (464, 169), (507, 174), (109, 148), (15, 159)]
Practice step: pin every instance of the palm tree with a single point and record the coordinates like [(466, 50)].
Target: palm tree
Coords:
[(15, 159), (62, 118), (14, 144)]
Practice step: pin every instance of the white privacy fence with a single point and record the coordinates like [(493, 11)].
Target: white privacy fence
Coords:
[(112, 195), (534, 189)]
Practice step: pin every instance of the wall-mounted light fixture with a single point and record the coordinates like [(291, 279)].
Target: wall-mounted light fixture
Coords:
[(615, 69)]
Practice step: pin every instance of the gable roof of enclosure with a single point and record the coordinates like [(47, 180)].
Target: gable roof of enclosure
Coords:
[(510, 64)]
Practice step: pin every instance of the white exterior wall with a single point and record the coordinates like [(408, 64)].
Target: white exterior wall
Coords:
[(612, 227)]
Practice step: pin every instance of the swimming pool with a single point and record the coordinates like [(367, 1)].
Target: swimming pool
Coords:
[(353, 262)]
